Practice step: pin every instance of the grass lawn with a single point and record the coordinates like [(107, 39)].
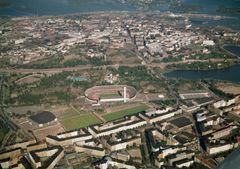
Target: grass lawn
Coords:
[(80, 111), (110, 95), (122, 113), (79, 121), (68, 113), (72, 112)]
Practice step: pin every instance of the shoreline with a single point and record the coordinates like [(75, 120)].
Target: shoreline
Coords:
[(212, 79), (227, 67), (199, 78), (171, 14)]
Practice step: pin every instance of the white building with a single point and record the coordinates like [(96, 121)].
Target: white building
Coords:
[(208, 43)]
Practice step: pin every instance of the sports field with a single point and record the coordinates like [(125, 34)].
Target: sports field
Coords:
[(75, 118), (79, 121), (122, 113), (110, 95)]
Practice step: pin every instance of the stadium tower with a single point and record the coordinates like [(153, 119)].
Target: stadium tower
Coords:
[(125, 94)]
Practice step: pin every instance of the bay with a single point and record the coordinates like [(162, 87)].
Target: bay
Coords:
[(62, 7), (228, 74)]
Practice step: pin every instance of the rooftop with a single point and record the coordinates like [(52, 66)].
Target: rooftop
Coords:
[(43, 117), (181, 122)]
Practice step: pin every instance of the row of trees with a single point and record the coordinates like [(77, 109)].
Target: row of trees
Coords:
[(53, 97)]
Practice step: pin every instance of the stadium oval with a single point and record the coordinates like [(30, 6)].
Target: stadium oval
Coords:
[(111, 93)]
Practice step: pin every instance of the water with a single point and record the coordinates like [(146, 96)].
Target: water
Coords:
[(60, 7), (233, 49), (78, 79), (232, 161), (211, 6), (228, 74)]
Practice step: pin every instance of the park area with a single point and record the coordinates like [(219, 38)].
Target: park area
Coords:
[(74, 117)]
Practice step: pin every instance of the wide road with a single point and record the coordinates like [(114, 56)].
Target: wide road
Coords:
[(58, 70), (84, 67)]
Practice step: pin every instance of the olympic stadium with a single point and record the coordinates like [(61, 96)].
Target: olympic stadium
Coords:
[(112, 93)]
